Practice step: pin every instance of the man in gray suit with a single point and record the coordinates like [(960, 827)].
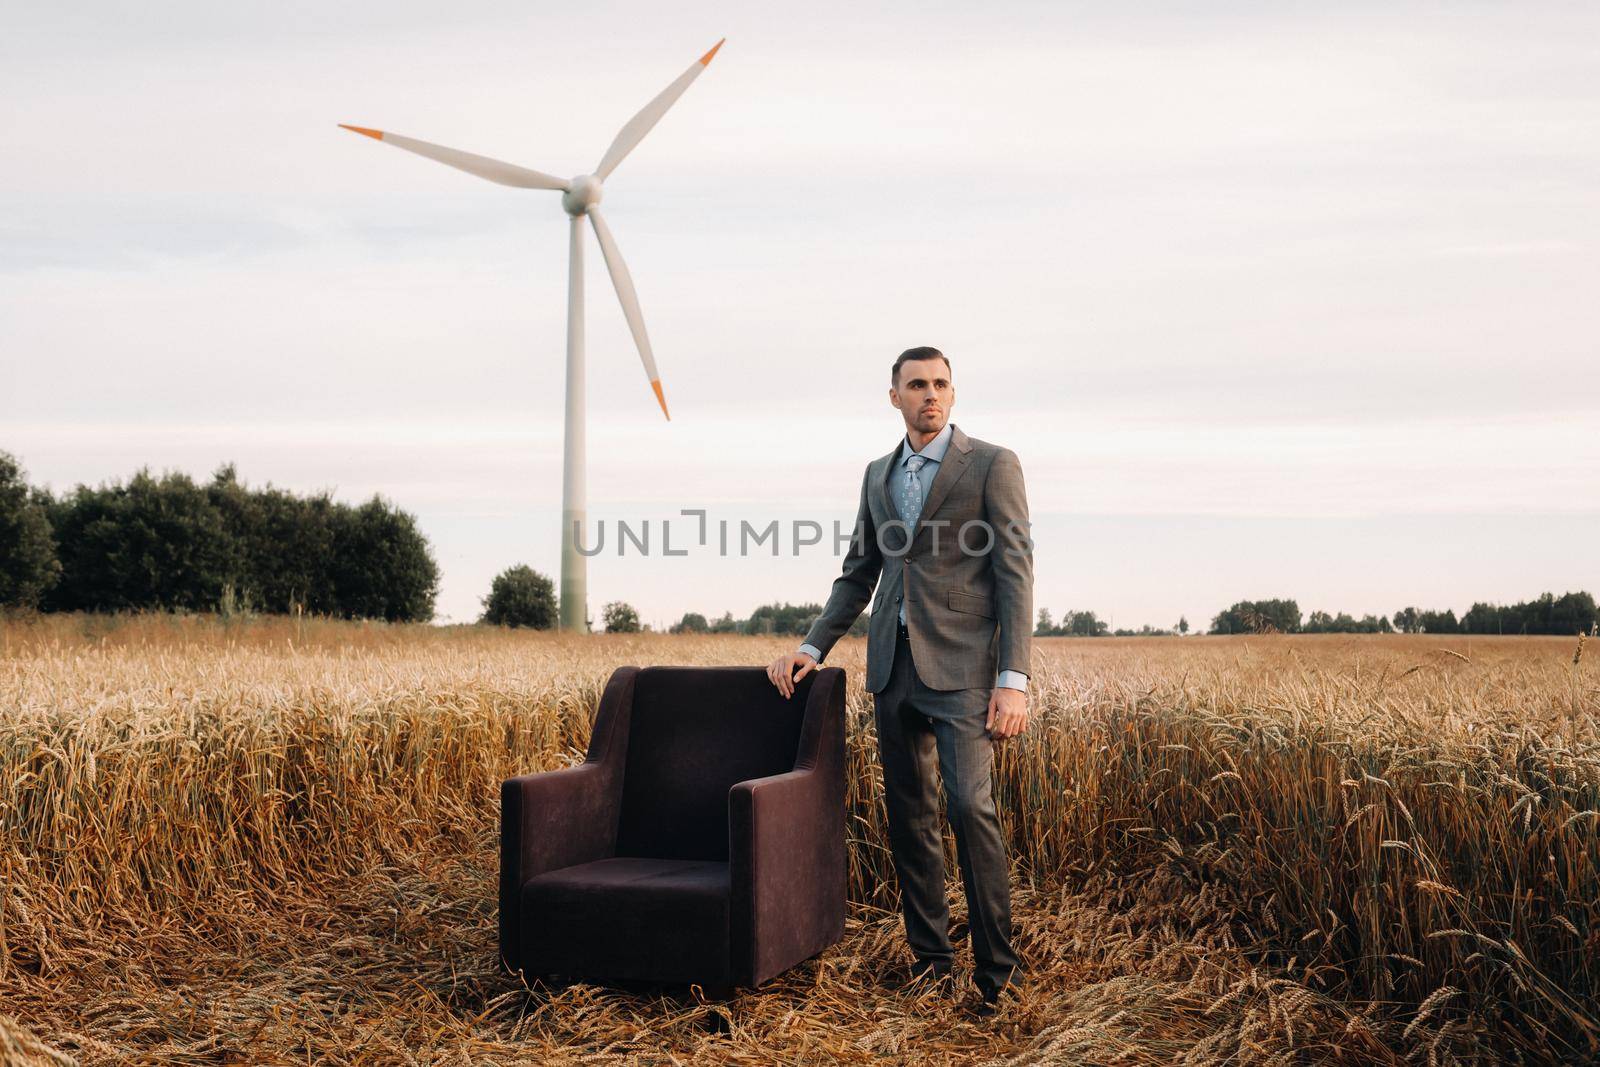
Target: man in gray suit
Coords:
[(943, 519)]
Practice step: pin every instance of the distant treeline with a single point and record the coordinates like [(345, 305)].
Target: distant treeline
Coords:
[(791, 619), (170, 544), (1570, 613), (1548, 614), (521, 596)]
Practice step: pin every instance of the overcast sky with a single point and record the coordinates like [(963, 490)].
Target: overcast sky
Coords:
[(1269, 302)]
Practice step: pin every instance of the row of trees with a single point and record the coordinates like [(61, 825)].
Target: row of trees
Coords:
[(1088, 624), (1283, 617), (1320, 622), (1570, 613), (521, 596), (1258, 617), (793, 620), (1546, 614), (171, 544), (1072, 624)]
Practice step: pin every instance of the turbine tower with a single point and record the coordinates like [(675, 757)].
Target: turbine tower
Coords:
[(580, 197)]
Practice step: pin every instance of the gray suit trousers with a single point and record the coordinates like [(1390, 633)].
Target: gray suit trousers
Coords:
[(916, 725)]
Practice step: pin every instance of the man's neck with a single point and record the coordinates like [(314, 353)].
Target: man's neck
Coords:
[(919, 440)]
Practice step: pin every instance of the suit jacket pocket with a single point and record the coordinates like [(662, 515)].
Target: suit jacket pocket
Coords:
[(972, 604)]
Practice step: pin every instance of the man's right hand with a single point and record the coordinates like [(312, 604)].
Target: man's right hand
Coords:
[(782, 673)]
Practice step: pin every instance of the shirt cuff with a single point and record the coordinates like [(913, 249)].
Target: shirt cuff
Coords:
[(814, 653), (1012, 680)]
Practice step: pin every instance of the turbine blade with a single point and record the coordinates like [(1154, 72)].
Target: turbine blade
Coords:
[(623, 282), (482, 166), (645, 120)]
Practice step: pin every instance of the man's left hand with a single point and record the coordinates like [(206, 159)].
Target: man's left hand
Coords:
[(1008, 713)]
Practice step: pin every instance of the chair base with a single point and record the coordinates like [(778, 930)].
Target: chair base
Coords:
[(631, 918)]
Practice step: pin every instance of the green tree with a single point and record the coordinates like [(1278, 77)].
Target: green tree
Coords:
[(167, 543), (1045, 627), (239, 510), (1230, 620), (785, 618), (1569, 613), (1573, 613), (620, 618), (1320, 622), (278, 546), (692, 623), (1438, 622), (291, 553), (382, 565), (1082, 624), (520, 596), (28, 563), (153, 543), (1183, 625), (1258, 617), (1484, 618)]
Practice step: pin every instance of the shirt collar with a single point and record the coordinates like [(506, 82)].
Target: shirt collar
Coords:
[(933, 451)]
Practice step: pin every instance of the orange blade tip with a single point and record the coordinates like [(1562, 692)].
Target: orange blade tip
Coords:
[(705, 60), (655, 383), (376, 135)]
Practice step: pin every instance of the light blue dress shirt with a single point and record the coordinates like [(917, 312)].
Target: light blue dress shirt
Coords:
[(933, 453)]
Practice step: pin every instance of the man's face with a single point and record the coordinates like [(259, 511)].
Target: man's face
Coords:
[(924, 395)]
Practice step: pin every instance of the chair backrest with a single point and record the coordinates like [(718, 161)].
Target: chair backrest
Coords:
[(693, 733)]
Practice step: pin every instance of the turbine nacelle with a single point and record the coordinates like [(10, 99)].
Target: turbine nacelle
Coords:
[(583, 193)]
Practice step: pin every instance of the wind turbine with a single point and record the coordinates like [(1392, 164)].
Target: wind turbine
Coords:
[(580, 196)]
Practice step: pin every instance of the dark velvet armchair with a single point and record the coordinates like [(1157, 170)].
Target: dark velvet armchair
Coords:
[(702, 840)]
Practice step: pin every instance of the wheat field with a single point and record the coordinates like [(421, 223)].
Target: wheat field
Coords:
[(276, 841)]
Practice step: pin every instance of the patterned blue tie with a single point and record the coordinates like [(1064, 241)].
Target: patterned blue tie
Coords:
[(911, 495), (910, 507)]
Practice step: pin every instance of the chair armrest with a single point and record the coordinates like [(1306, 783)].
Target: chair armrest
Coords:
[(786, 864), (556, 819), (551, 820)]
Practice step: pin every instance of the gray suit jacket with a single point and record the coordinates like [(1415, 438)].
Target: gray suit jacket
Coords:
[(969, 610)]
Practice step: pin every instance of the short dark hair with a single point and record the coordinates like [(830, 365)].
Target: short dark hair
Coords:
[(915, 353)]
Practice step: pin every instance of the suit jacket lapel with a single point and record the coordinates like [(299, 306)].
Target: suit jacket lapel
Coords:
[(880, 484), (956, 460)]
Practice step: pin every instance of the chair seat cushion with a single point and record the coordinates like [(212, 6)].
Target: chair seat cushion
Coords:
[(630, 917)]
